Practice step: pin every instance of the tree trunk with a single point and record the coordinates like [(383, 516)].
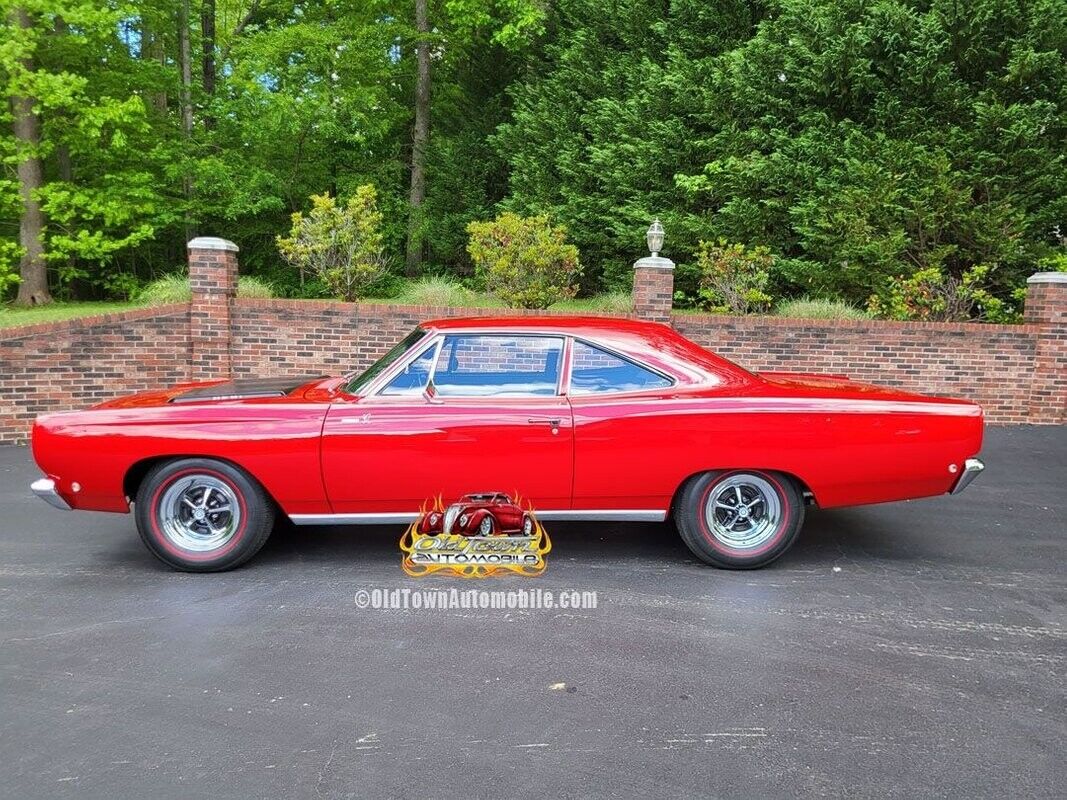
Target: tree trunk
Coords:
[(33, 290), (152, 50), (63, 162), (421, 137), (185, 64), (207, 29)]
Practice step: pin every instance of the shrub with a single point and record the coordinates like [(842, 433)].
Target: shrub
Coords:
[(733, 278), (806, 308), (435, 290), (929, 295), (525, 261), (341, 245), (174, 288)]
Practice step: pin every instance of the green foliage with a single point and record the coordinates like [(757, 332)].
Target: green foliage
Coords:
[(525, 261), (734, 278), (608, 302), (174, 288), (435, 290), (340, 244), (807, 308), (931, 296), (859, 141)]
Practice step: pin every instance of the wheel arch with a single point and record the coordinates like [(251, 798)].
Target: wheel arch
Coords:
[(136, 473), (801, 484)]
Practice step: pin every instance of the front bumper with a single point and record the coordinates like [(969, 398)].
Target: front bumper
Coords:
[(45, 488), (972, 467)]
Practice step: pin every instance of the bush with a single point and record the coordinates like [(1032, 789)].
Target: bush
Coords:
[(806, 308), (931, 296), (525, 261), (174, 288), (341, 245), (435, 291), (734, 278)]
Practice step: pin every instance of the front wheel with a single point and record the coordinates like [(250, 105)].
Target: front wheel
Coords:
[(739, 519), (202, 515)]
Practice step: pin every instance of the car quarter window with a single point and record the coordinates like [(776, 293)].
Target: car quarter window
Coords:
[(594, 371), (490, 365)]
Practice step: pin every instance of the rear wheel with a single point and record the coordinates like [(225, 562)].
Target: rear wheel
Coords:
[(202, 515), (739, 519)]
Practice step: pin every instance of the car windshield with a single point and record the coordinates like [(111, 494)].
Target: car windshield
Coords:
[(359, 383)]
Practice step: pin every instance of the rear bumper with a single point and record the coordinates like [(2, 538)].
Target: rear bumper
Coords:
[(45, 488), (972, 467)]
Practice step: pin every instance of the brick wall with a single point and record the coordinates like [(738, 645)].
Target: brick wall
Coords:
[(1018, 373), (76, 363)]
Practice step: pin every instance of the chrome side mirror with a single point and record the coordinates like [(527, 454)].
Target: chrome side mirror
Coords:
[(430, 394)]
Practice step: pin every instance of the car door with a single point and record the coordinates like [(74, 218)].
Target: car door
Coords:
[(473, 413), (625, 426)]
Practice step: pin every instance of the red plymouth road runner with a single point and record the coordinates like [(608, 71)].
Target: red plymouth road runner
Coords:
[(589, 419)]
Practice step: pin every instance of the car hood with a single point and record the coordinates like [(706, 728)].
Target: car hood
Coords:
[(304, 387)]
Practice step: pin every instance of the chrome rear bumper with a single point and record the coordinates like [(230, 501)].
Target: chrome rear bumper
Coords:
[(971, 469), (45, 488)]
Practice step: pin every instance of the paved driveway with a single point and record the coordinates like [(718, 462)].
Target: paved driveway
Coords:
[(914, 649)]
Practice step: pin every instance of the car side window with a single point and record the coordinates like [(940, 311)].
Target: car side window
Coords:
[(414, 377), (594, 371), (471, 365)]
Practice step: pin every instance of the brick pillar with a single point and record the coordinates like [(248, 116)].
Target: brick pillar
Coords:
[(1046, 306), (213, 280), (653, 288)]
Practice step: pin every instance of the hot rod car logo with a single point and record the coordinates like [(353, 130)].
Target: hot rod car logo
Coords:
[(479, 535)]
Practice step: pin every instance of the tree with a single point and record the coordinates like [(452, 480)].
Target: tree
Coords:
[(33, 286), (420, 137)]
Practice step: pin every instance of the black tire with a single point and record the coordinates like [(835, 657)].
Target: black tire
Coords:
[(777, 495), (188, 544)]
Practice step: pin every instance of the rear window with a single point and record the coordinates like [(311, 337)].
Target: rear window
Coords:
[(595, 371)]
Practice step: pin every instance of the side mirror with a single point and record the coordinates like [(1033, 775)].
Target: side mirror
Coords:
[(430, 394)]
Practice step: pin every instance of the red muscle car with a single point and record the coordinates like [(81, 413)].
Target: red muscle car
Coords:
[(482, 514), (590, 419)]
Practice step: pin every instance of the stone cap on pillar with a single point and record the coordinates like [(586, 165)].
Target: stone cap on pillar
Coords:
[(653, 262), (1048, 277), (212, 243)]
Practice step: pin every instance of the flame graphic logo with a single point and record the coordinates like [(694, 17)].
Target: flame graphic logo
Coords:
[(473, 556)]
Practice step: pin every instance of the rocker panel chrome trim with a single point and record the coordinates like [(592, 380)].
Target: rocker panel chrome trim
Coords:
[(577, 515)]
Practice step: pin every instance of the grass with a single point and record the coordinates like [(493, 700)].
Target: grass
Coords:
[(806, 308), (441, 291), (611, 302), (16, 316), (174, 288)]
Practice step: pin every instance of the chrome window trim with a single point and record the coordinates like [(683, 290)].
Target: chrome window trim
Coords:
[(672, 380), (401, 364)]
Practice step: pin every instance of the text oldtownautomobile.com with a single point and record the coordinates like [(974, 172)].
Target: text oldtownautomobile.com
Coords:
[(401, 599)]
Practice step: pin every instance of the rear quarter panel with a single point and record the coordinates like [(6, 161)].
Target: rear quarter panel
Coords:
[(636, 452)]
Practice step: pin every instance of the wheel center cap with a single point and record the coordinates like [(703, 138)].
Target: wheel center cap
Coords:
[(742, 512), (198, 514)]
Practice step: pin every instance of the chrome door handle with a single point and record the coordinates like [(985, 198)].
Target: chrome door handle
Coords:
[(542, 421), (362, 419)]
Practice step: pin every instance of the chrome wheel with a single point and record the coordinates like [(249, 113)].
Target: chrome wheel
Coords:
[(485, 527), (527, 527), (199, 513), (743, 511)]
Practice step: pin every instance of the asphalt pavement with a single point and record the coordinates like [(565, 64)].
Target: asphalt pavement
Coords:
[(907, 650)]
